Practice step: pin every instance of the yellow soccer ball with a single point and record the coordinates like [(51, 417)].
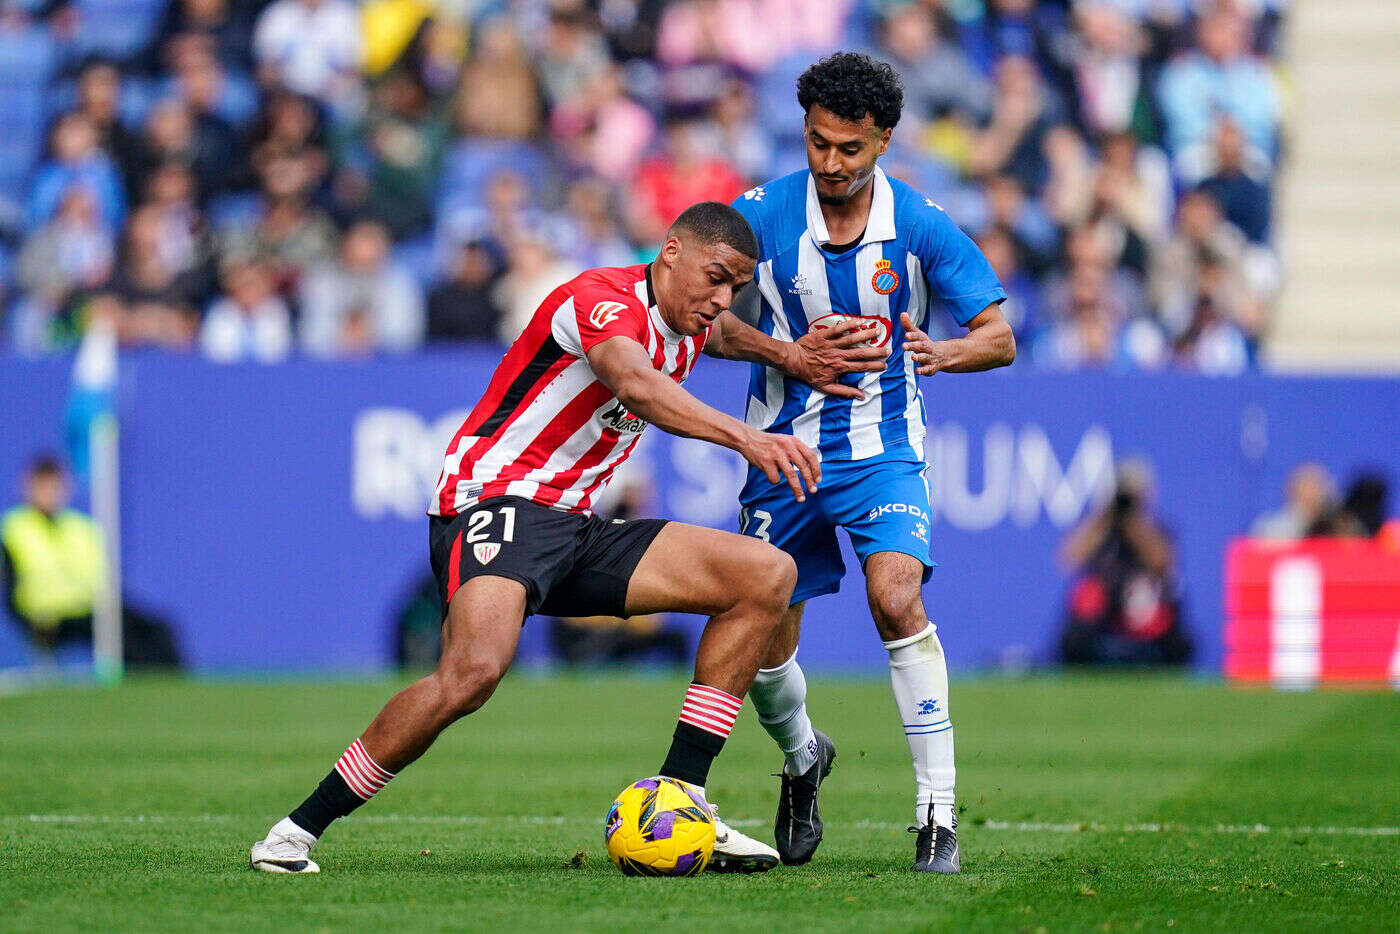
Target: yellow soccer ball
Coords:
[(660, 827)]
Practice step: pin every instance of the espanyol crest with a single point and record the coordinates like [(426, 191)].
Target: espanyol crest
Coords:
[(885, 280), (485, 551)]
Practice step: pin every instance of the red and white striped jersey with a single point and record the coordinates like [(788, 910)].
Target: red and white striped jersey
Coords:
[(547, 429)]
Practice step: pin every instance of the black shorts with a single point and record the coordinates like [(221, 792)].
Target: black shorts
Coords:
[(570, 564)]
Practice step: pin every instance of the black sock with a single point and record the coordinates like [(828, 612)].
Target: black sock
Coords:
[(332, 799), (692, 751)]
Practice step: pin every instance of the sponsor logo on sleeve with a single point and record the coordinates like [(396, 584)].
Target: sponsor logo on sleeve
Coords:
[(605, 312)]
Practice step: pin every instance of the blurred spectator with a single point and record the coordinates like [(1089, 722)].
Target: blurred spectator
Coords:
[(1367, 502), (592, 212), (499, 96), (362, 303), (572, 55), (99, 100), (737, 133), (1090, 336), (1028, 28), (71, 254), (1123, 606), (185, 241), (159, 298), (1208, 256), (682, 174), (203, 141), (286, 231), (1220, 77), (603, 130), (208, 88), (1242, 192), (1213, 342), (462, 306), (54, 569), (76, 158), (1023, 309), (1132, 197), (939, 80), (536, 267), (290, 125), (390, 162), (311, 47), (1107, 68), (250, 321), (1022, 113), (1309, 497), (228, 25), (1024, 218), (1088, 263)]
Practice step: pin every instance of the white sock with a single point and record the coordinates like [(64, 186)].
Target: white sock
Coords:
[(919, 676), (780, 697), (287, 827)]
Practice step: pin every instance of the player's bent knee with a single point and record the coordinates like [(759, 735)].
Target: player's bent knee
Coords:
[(898, 608), (771, 579), (468, 685)]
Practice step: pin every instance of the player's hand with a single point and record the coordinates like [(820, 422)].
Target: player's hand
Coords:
[(820, 358), (784, 457), (928, 358)]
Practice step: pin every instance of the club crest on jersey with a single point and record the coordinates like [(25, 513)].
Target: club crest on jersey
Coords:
[(885, 280), (603, 312), (619, 419), (485, 551)]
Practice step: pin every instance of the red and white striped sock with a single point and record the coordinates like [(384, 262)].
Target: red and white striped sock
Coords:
[(710, 709), (360, 772)]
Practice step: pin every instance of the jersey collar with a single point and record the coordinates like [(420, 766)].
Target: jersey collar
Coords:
[(879, 227), (647, 293)]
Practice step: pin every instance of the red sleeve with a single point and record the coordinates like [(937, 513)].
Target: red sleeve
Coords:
[(605, 313)]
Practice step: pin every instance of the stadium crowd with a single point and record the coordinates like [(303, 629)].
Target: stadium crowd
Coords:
[(254, 178)]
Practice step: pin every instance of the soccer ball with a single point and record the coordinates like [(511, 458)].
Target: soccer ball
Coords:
[(659, 827)]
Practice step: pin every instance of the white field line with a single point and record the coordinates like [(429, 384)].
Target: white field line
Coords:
[(542, 821)]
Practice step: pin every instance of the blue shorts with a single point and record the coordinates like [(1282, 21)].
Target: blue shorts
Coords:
[(882, 505)]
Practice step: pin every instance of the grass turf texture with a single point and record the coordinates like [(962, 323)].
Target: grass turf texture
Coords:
[(483, 832)]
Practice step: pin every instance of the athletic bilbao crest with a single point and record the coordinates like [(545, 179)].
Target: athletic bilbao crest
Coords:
[(885, 280), (485, 551), (603, 312)]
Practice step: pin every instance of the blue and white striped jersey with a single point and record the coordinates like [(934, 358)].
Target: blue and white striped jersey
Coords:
[(911, 257)]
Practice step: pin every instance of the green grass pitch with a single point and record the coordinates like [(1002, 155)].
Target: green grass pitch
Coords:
[(1118, 803)]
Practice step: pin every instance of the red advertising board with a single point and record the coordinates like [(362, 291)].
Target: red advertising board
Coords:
[(1310, 612)]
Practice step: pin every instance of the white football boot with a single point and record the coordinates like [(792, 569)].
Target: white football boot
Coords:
[(735, 852), (287, 848)]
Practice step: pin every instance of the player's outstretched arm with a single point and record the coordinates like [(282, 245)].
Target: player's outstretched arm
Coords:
[(818, 358), (987, 345), (624, 367)]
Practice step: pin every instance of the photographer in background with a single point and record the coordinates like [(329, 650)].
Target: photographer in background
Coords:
[(1123, 604)]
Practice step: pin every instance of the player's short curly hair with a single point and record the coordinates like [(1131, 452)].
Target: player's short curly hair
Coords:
[(852, 85)]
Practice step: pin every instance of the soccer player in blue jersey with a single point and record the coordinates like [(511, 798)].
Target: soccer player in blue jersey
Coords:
[(840, 242)]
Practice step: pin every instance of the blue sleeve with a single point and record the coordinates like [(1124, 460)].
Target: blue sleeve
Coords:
[(750, 205), (955, 269)]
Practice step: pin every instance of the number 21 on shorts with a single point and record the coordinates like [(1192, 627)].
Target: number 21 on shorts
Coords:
[(478, 531)]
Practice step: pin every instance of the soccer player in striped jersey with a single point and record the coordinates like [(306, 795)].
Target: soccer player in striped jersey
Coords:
[(511, 534), (842, 242)]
